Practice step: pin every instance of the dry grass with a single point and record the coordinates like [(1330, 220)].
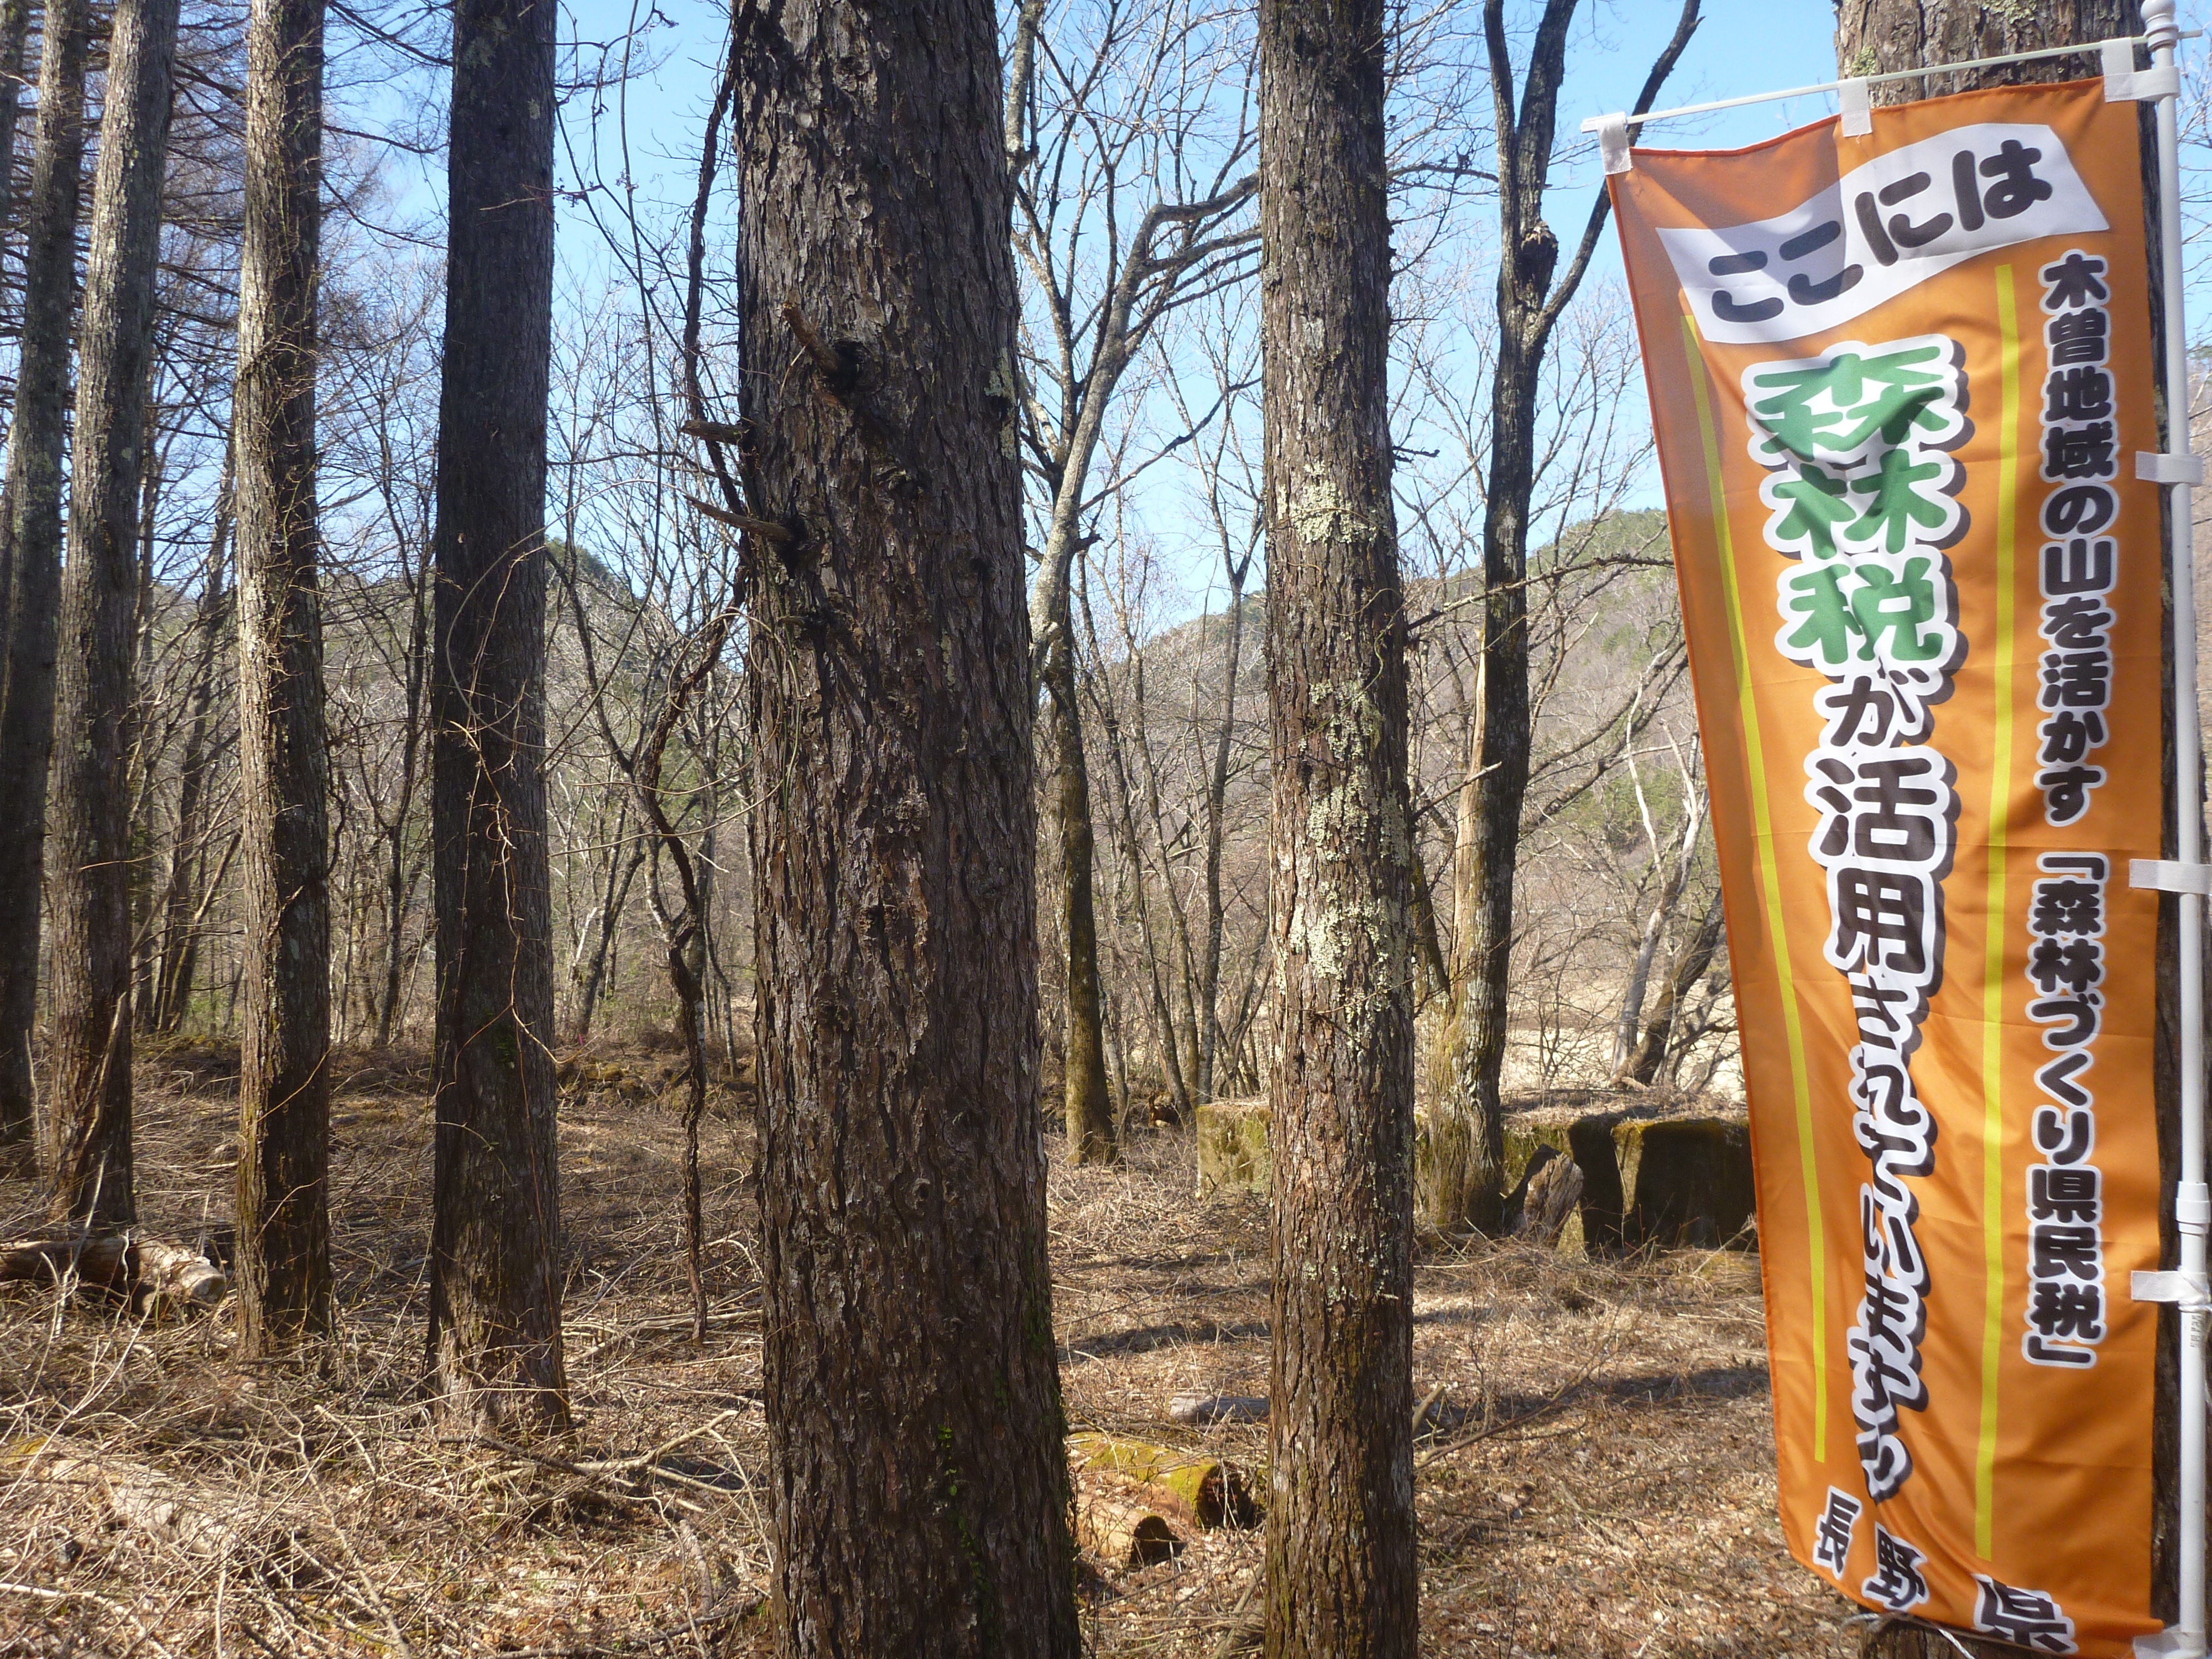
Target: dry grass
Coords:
[(1608, 1490)]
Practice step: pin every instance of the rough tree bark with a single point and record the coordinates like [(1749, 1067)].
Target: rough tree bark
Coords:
[(33, 501), (89, 1107), (1341, 1568), (1469, 1132), (283, 1262), (494, 1336), (913, 1395)]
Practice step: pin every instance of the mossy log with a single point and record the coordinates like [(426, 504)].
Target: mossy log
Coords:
[(1216, 1492)]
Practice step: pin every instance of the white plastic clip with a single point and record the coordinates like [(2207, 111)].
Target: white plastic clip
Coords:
[(1856, 107), (2126, 83), (1613, 142), (2174, 1643), (2183, 469), (2188, 1291), (2166, 876)]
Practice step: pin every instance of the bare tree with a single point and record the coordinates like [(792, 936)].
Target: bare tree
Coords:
[(913, 1397), (90, 1107), (494, 1335), (1529, 305), (30, 540), (283, 1257), (1079, 168), (1341, 1566), (185, 891)]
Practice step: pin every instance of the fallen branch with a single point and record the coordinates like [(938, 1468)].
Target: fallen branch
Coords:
[(200, 1520)]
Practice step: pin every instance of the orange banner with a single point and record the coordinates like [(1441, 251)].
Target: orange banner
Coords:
[(1899, 381)]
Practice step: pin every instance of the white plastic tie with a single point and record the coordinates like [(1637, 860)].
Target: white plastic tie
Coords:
[(2172, 1643), (1613, 144), (2126, 83), (2168, 876), (2188, 1291), (1856, 104), (2168, 469)]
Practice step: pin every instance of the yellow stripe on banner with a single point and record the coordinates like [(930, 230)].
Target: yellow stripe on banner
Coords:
[(1770, 880), (1993, 971)]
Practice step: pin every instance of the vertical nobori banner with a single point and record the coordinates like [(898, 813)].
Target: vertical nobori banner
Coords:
[(1899, 379)]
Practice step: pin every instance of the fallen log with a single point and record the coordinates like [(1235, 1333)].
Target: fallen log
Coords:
[(154, 1274), (1127, 1524), (1215, 1491)]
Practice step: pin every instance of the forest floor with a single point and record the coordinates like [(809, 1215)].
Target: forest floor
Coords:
[(1607, 1490)]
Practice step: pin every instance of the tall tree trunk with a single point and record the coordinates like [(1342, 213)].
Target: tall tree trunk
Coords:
[(1872, 37), (1341, 1568), (1216, 827), (1090, 1108), (399, 884), (91, 1061), (495, 1337), (623, 858), (180, 937), (148, 758), (912, 1394), (283, 1265), (1470, 1124), (33, 500)]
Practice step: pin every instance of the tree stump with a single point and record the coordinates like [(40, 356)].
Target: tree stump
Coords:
[(1553, 1188)]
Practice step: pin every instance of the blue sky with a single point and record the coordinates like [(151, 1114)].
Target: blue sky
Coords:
[(1742, 46)]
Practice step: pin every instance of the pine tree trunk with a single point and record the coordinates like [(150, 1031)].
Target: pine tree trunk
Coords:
[(33, 499), (283, 1270), (1341, 1569), (495, 1337), (90, 1106), (912, 1394), (1872, 37)]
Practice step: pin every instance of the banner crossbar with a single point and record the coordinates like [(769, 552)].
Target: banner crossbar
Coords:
[(2086, 49)]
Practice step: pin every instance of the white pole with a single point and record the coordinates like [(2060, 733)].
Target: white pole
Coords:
[(2191, 1206)]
